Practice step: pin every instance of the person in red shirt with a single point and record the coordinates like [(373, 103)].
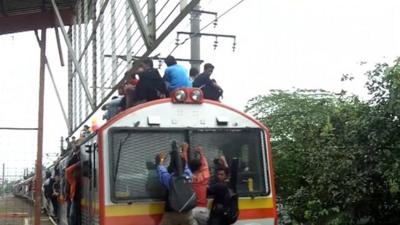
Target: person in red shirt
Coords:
[(130, 86), (200, 179)]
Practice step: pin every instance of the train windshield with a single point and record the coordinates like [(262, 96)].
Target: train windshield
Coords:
[(133, 171)]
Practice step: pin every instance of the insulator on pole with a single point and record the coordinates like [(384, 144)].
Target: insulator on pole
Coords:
[(215, 43), (177, 40), (234, 45), (215, 23)]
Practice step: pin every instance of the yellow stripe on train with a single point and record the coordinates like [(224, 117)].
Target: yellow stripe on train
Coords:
[(137, 209)]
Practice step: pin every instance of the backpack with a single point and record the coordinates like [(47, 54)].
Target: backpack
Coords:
[(211, 92), (181, 196), (231, 207)]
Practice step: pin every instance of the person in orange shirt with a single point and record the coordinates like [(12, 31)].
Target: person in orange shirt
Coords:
[(200, 179), (71, 174)]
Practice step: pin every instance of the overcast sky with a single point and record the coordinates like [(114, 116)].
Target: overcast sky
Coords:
[(281, 44)]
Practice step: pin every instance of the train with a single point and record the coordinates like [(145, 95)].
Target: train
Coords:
[(118, 181), (24, 188)]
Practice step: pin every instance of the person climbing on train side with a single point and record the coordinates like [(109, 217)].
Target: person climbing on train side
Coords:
[(211, 90), (193, 73), (48, 191), (73, 143), (69, 146), (151, 86), (200, 178), (180, 199), (176, 76), (85, 132), (224, 209), (56, 193), (72, 177)]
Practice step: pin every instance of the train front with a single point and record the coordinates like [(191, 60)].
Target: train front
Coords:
[(130, 191)]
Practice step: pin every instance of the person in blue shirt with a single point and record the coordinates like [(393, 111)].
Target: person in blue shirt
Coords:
[(171, 217), (165, 176), (176, 76)]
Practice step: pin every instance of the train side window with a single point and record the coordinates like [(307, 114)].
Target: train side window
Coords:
[(248, 146)]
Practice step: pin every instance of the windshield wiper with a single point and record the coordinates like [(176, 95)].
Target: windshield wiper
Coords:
[(121, 143)]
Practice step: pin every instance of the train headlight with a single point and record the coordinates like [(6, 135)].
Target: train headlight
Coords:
[(187, 96), (196, 95), (180, 96)]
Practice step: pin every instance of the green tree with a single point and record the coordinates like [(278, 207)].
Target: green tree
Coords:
[(336, 158)]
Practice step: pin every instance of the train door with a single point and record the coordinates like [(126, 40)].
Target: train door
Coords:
[(89, 195)]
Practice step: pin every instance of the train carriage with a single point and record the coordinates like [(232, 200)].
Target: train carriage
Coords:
[(119, 179), (118, 182)]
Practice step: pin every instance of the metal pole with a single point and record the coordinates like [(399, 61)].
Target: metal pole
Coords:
[(70, 90), (62, 145), (60, 53), (18, 128), (195, 40), (94, 52), (141, 22), (3, 180), (151, 20), (38, 177), (74, 60)]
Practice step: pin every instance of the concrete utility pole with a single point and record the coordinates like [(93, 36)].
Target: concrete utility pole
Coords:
[(195, 40)]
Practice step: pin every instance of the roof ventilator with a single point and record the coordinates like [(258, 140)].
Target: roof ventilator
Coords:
[(153, 120), (222, 121)]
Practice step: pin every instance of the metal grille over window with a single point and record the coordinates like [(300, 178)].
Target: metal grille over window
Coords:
[(242, 144), (133, 153), (133, 172)]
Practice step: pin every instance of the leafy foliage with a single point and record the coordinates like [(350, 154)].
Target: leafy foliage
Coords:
[(336, 158)]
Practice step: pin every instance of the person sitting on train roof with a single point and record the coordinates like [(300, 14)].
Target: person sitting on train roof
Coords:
[(211, 90), (113, 107), (129, 87), (151, 86), (193, 73), (176, 76), (200, 178), (170, 216)]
